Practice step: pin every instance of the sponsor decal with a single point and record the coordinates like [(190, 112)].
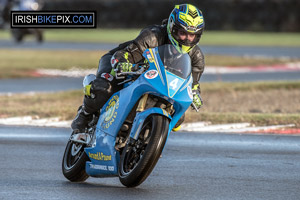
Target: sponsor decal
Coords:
[(100, 156), (102, 167), (107, 76), (189, 89), (111, 111), (149, 57), (151, 74)]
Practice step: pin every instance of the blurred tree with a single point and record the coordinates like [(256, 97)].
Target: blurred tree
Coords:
[(250, 15)]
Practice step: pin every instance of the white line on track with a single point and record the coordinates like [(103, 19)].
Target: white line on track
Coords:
[(25, 135), (30, 121), (196, 126), (235, 127)]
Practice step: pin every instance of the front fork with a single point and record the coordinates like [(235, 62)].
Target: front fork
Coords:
[(142, 103), (142, 114)]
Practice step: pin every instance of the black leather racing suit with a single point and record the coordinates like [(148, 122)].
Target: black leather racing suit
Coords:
[(132, 52), (151, 37)]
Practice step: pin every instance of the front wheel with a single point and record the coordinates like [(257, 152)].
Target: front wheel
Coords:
[(73, 164), (139, 158)]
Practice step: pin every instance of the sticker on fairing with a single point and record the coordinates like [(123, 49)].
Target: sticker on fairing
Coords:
[(111, 112), (189, 89), (149, 57), (151, 74)]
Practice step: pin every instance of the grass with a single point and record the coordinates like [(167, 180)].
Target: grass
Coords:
[(257, 103), (220, 60), (22, 63), (257, 119), (232, 38), (247, 87), (4, 35), (94, 35), (62, 104), (235, 38), (53, 59), (16, 63), (253, 101)]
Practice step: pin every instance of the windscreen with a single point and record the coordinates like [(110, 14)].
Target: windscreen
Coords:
[(174, 61)]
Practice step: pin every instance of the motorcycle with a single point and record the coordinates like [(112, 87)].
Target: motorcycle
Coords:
[(18, 34), (129, 135)]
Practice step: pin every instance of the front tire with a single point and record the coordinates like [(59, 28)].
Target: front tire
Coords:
[(73, 164), (139, 159)]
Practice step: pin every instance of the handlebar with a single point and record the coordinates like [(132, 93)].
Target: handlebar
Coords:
[(139, 71)]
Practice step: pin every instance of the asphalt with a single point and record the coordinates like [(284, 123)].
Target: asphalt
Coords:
[(193, 166)]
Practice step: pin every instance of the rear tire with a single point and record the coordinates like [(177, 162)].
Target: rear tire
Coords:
[(138, 160), (73, 164)]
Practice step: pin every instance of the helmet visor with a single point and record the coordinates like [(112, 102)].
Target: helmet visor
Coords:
[(184, 37)]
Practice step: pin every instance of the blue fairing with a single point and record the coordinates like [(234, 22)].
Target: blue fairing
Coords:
[(156, 81)]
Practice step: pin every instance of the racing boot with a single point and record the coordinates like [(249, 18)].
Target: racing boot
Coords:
[(81, 120)]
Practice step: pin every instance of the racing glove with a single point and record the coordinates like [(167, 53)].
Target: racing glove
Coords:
[(123, 67), (197, 100)]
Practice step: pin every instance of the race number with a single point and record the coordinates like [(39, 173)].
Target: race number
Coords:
[(174, 83)]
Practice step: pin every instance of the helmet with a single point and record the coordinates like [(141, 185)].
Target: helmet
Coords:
[(185, 26)]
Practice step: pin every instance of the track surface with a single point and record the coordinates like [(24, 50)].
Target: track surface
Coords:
[(193, 166)]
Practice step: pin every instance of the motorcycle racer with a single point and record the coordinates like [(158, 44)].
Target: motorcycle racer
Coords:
[(183, 30)]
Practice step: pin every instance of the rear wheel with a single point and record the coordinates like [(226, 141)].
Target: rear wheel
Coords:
[(73, 164), (140, 157)]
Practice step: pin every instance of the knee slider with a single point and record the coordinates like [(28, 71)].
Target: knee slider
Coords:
[(100, 91), (101, 86)]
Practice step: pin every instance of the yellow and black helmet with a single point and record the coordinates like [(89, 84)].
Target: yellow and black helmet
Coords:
[(187, 18)]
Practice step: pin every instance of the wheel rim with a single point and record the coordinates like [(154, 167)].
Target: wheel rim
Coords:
[(74, 153), (135, 153)]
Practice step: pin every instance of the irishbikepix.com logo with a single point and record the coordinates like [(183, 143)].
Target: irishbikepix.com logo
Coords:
[(49, 19)]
